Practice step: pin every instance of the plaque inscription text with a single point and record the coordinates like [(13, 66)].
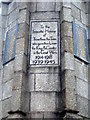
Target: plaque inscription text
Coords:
[(44, 43)]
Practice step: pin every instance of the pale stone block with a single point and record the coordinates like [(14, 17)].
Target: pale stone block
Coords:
[(76, 4), (1, 75), (7, 89), (51, 115), (66, 14), (4, 21), (44, 15), (45, 6), (75, 12), (67, 61), (58, 5), (36, 115), (47, 82), (82, 88), (66, 4), (82, 106), (10, 68), (41, 101), (66, 29)]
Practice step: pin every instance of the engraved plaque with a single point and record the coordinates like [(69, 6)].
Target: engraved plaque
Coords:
[(80, 42), (44, 43)]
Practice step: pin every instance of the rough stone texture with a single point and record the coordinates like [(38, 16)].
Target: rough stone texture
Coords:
[(82, 105), (66, 14), (43, 101), (47, 82), (7, 89), (67, 61), (31, 82), (82, 88), (75, 12), (45, 6), (84, 18), (10, 68), (66, 29), (66, 45), (81, 70)]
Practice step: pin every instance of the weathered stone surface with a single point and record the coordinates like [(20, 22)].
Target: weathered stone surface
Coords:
[(84, 18), (4, 9), (75, 12), (67, 61), (81, 70), (82, 88), (76, 4), (20, 62), (1, 110), (12, 6), (0, 92), (23, 16), (31, 82), (7, 89), (16, 100), (10, 68), (47, 82), (32, 7), (66, 4), (44, 15), (67, 44), (66, 29), (82, 106), (43, 101), (66, 14), (50, 70), (58, 5), (4, 21), (13, 16), (45, 6), (6, 107), (0, 77), (36, 115), (51, 115)]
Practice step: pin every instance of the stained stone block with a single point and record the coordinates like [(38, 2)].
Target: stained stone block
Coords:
[(45, 6), (7, 89), (67, 44), (82, 88), (67, 61), (75, 12), (42, 101), (6, 107), (8, 67), (66, 14), (47, 82), (44, 15), (66, 29), (82, 106), (51, 115)]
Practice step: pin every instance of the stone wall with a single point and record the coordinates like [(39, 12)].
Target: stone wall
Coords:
[(41, 91)]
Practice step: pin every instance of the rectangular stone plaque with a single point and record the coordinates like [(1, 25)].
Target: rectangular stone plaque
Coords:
[(44, 43), (80, 42)]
